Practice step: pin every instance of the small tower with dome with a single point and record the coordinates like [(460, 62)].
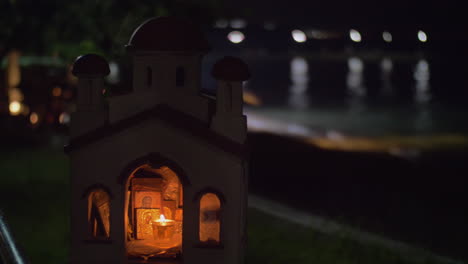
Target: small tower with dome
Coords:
[(159, 174)]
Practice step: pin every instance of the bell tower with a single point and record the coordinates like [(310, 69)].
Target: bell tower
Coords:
[(91, 108)]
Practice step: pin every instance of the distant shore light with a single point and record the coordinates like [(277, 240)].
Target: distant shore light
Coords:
[(15, 108), (422, 36), (387, 36), (236, 37), (299, 35), (355, 36)]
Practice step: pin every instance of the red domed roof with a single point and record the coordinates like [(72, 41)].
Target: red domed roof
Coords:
[(231, 69), (168, 34), (90, 64)]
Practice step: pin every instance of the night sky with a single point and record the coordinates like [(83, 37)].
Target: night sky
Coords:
[(440, 15)]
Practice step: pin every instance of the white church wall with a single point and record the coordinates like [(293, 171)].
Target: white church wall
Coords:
[(205, 165)]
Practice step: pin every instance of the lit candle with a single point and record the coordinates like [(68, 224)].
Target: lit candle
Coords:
[(163, 229)]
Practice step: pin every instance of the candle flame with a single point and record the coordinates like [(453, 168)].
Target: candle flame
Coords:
[(162, 218)]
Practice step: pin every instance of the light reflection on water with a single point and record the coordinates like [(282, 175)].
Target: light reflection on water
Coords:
[(422, 93), (383, 98), (422, 77), (298, 97), (355, 84), (354, 79), (355, 96), (386, 66)]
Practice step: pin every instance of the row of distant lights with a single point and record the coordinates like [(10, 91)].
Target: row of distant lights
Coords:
[(354, 35), (237, 36), (299, 36), (17, 108)]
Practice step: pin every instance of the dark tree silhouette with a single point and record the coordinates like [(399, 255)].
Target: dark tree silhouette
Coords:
[(68, 28)]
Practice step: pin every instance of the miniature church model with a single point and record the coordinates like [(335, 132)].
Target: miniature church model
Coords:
[(159, 174)]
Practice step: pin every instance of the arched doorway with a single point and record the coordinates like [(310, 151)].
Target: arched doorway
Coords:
[(154, 212)]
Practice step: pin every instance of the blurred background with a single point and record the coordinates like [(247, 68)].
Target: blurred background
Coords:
[(357, 118)]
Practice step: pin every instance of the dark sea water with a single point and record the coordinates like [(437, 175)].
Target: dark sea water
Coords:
[(356, 95)]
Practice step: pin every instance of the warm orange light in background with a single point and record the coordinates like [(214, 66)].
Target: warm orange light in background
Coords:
[(251, 98), (390, 144), (34, 118), (13, 71), (15, 94), (57, 91), (15, 108), (210, 224)]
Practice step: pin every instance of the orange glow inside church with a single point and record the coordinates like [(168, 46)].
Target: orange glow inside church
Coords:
[(154, 213), (210, 211), (99, 214)]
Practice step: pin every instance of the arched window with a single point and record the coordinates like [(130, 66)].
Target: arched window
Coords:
[(210, 219), (99, 214), (180, 76), (149, 77)]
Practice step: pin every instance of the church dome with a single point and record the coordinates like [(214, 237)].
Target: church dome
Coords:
[(90, 64), (230, 69), (167, 34)]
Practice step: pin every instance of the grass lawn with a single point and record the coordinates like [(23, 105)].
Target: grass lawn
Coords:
[(274, 241), (34, 194)]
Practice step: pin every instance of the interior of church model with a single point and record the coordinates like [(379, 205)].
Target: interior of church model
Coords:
[(155, 209)]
